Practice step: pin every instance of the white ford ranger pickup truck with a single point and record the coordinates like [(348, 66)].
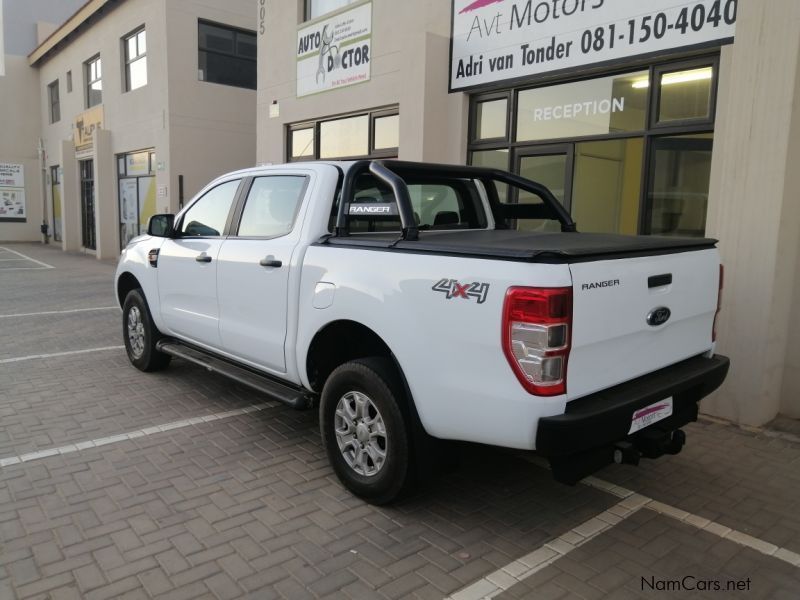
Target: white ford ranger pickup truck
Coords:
[(418, 303)]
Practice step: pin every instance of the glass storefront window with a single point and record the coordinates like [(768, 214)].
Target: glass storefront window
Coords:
[(373, 134), (317, 8), (387, 132), (137, 193), (606, 185), (494, 159), (548, 169), (491, 118), (344, 137), (302, 143), (679, 181), (595, 107), (685, 95)]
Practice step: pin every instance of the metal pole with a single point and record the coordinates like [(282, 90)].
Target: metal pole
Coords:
[(43, 170)]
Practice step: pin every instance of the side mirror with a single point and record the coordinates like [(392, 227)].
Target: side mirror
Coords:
[(160, 225)]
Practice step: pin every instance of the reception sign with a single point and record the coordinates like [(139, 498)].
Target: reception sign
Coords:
[(335, 51), (500, 40)]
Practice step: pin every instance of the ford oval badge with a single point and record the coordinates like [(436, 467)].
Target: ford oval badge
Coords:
[(658, 316)]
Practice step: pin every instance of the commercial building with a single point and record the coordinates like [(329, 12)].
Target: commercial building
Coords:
[(670, 117), (22, 26), (139, 103)]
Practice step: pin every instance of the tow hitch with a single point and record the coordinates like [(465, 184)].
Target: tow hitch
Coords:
[(650, 444)]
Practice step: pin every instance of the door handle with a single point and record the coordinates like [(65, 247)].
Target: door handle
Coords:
[(204, 258), (270, 262)]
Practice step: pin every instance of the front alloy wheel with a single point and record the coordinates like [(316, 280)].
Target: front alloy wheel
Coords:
[(136, 332), (361, 433), (140, 334)]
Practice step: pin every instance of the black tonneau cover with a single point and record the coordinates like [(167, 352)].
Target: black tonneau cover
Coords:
[(525, 246)]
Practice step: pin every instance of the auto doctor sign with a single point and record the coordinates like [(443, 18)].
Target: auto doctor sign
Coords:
[(499, 40), (335, 51)]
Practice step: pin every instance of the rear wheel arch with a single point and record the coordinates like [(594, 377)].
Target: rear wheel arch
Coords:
[(341, 341)]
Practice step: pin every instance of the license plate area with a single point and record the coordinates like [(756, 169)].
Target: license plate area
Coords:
[(644, 417)]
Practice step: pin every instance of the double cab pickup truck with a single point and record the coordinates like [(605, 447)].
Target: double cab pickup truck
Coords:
[(415, 304)]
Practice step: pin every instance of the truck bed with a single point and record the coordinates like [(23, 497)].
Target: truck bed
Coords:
[(525, 246)]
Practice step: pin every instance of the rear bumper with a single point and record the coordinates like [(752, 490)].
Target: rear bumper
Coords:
[(583, 439)]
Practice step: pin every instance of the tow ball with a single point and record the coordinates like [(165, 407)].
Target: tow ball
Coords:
[(650, 444)]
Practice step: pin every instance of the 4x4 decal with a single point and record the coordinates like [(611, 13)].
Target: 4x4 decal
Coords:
[(454, 289)]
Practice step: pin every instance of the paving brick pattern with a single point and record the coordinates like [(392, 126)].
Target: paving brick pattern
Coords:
[(247, 507), (649, 555)]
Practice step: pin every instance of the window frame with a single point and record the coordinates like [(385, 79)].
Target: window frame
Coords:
[(307, 10), (127, 61), (236, 32), (87, 69), (236, 222), (655, 95), (473, 116), (316, 125), (651, 130), (54, 101)]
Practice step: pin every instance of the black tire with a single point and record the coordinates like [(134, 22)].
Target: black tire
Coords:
[(144, 357), (377, 379)]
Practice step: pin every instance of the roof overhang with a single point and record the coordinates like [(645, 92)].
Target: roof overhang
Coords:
[(60, 37)]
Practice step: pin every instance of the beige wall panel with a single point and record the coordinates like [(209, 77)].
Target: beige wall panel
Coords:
[(752, 209), (21, 129), (105, 197), (409, 64), (212, 126), (70, 197)]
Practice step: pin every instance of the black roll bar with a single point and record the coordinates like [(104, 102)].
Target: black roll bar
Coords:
[(386, 171)]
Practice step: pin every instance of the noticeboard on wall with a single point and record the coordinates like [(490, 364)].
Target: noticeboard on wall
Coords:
[(334, 51), (12, 192), (498, 41)]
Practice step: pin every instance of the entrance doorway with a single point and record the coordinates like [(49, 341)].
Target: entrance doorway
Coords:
[(88, 231)]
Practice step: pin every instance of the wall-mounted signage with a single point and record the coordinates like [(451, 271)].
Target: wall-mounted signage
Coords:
[(499, 40), (334, 51), (12, 192), (83, 130)]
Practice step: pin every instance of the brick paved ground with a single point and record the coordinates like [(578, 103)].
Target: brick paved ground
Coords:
[(247, 506)]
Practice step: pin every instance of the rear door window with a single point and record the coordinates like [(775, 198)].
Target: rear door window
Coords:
[(271, 207)]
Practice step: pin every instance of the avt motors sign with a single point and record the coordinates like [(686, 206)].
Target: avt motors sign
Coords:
[(335, 51), (499, 40)]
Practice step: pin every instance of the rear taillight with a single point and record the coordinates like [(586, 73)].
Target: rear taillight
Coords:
[(719, 303), (537, 325)]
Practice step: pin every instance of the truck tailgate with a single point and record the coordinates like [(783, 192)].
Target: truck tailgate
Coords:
[(613, 342)]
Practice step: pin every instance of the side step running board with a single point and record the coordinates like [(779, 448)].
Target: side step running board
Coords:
[(295, 397)]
